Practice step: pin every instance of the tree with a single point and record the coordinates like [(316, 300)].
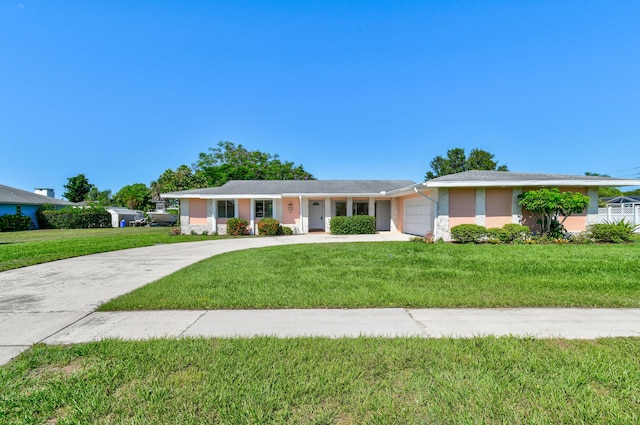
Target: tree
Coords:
[(134, 196), (457, 162), (548, 205), (101, 197), (77, 188), (182, 178), (230, 162)]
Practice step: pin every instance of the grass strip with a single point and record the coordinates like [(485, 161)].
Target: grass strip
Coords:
[(326, 381), (20, 249), (400, 274)]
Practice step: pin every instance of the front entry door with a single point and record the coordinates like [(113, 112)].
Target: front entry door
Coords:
[(316, 215)]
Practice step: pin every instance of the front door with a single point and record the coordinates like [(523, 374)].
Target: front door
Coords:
[(316, 215)]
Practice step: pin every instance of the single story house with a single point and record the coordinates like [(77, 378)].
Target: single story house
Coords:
[(488, 198), (15, 201)]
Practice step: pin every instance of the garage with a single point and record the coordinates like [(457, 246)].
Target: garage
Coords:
[(418, 216)]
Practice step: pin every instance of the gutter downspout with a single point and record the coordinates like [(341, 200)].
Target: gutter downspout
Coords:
[(435, 210)]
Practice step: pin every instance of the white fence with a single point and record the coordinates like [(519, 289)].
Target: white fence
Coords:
[(630, 214)]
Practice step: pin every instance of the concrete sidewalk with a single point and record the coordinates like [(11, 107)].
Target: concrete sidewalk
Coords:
[(55, 302), (335, 323)]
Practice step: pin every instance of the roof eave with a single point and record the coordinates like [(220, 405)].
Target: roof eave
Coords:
[(543, 183)]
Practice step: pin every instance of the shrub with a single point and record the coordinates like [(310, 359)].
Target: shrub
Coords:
[(466, 233), (427, 238), (14, 222), (355, 225), (175, 232), (616, 232), (497, 235), (205, 233), (517, 232), (268, 226), (285, 230), (74, 218), (236, 226)]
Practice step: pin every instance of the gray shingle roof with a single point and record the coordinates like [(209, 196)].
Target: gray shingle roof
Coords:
[(298, 187), (11, 195), (496, 178)]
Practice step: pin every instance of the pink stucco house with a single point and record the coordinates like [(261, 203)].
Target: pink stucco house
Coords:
[(488, 198)]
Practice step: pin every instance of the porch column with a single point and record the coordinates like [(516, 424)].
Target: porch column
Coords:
[(213, 216), (349, 207), (394, 215), (252, 215), (236, 207), (327, 214), (481, 206), (372, 207)]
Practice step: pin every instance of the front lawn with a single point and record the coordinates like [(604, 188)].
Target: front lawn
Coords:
[(400, 274), (20, 249), (326, 381)]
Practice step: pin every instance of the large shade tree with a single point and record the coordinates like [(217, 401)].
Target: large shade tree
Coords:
[(77, 188), (182, 178), (457, 161), (230, 162), (134, 196)]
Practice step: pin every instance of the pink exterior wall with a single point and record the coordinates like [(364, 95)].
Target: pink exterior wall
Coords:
[(575, 223), (462, 206), (498, 206), (289, 217), (244, 209), (197, 211)]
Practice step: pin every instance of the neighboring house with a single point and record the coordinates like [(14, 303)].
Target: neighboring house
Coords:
[(621, 208), (488, 198), (16, 201)]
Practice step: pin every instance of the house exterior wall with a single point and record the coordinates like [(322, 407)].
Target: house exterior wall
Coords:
[(28, 210), (462, 206), (198, 212), (498, 207)]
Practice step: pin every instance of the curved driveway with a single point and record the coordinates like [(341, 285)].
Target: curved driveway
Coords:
[(55, 302)]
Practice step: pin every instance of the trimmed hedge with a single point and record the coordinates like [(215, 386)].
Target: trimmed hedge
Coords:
[(268, 227), (15, 222), (74, 218), (236, 226), (467, 233), (355, 225)]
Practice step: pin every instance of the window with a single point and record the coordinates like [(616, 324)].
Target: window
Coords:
[(341, 208), (226, 209), (18, 209), (264, 209), (361, 208)]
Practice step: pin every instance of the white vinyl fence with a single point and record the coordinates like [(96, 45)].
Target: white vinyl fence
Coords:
[(629, 213)]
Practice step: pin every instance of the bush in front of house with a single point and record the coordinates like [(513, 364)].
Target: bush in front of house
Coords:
[(236, 226), (517, 232), (268, 227), (285, 230), (355, 225), (467, 233), (74, 218), (14, 222), (615, 232), (498, 235)]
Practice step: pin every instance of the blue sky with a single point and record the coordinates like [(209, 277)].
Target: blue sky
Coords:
[(122, 91)]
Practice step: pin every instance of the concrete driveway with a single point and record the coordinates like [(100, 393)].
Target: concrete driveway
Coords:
[(55, 302)]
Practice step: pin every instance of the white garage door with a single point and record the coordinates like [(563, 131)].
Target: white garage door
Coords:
[(418, 218)]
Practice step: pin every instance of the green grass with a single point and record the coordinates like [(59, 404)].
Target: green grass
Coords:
[(325, 381), (400, 274), (20, 249)]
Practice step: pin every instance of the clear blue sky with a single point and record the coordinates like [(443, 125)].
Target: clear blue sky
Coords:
[(123, 90)]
